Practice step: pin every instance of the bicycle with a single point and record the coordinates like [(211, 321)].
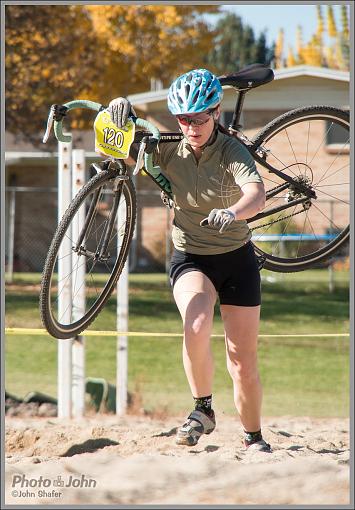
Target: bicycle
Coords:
[(304, 181)]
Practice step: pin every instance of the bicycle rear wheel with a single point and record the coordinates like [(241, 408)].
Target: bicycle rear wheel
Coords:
[(88, 261), (311, 145)]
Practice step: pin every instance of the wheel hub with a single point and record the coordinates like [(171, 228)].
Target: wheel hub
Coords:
[(302, 184)]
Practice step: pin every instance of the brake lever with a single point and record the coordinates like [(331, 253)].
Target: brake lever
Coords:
[(57, 112), (140, 157), (147, 145), (49, 124)]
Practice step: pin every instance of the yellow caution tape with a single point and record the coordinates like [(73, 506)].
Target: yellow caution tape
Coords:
[(33, 331)]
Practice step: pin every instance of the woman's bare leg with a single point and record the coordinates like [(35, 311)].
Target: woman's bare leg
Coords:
[(195, 296), (241, 326)]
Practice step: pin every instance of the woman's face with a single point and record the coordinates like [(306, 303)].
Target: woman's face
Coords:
[(198, 127)]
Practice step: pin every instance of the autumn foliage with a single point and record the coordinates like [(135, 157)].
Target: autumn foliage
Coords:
[(56, 53), (329, 46)]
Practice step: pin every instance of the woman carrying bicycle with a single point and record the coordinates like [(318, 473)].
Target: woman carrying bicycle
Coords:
[(214, 182)]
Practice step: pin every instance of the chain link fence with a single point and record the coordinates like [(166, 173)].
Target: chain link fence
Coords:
[(32, 217)]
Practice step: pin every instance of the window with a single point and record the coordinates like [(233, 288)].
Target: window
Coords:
[(337, 138)]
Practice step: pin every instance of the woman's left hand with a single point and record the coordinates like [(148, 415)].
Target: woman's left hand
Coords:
[(219, 218)]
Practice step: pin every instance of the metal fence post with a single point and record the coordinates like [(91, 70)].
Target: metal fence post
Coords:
[(64, 285), (122, 325), (330, 266), (12, 215), (78, 293)]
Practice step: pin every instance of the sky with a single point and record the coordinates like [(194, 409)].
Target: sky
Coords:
[(270, 18)]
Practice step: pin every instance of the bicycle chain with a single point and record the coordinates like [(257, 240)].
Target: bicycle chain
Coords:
[(281, 219), (275, 221)]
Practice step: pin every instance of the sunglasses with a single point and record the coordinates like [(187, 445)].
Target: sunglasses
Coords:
[(197, 121)]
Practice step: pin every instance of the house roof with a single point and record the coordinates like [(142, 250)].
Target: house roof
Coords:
[(280, 74), (316, 72), (16, 151)]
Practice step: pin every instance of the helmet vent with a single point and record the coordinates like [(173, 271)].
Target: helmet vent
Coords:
[(194, 97), (196, 91)]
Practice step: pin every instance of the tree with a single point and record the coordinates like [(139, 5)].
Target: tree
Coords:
[(44, 63), (290, 57), (279, 48), (343, 39), (332, 29), (335, 53), (263, 54), (56, 53), (234, 46), (140, 42), (320, 22), (311, 53), (345, 21), (298, 57)]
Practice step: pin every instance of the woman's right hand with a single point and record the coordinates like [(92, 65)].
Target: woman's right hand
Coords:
[(119, 110)]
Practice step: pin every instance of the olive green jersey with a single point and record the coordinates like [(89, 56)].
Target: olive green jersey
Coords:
[(212, 182)]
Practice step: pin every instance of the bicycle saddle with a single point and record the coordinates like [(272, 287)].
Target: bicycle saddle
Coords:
[(248, 78)]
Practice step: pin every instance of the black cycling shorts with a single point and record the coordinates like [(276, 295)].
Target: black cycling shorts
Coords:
[(234, 274)]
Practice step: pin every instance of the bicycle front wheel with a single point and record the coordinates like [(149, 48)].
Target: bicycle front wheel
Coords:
[(87, 254), (311, 145)]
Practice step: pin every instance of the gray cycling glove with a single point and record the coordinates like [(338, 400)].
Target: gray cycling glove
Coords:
[(119, 110), (219, 218)]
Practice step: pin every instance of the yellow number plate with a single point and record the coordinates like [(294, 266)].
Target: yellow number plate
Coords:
[(111, 140)]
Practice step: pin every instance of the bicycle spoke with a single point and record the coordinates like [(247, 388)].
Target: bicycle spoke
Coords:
[(311, 146), (327, 217), (332, 175), (308, 140), (320, 145), (335, 198), (91, 272), (323, 176), (293, 152)]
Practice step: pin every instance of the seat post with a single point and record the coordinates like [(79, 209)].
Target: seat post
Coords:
[(235, 126)]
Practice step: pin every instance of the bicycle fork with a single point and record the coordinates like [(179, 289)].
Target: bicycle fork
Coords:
[(101, 253)]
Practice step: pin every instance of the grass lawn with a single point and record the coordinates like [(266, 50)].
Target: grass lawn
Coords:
[(301, 376)]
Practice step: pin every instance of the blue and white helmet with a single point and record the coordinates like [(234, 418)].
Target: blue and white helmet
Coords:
[(194, 92)]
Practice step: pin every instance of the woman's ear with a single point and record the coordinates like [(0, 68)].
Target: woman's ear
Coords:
[(217, 113)]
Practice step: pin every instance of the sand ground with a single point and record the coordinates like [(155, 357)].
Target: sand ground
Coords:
[(132, 460)]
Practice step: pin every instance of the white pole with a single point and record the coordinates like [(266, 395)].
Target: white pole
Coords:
[(122, 325), (78, 291), (64, 284), (12, 214), (330, 267), (133, 247)]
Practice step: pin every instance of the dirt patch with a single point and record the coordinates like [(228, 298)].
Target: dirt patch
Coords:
[(134, 460)]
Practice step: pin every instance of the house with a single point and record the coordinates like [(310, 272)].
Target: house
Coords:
[(31, 175)]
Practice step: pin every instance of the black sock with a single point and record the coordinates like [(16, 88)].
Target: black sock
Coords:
[(204, 404), (252, 437)]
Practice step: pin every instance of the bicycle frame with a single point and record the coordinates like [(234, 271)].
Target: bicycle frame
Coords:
[(105, 242), (259, 155)]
